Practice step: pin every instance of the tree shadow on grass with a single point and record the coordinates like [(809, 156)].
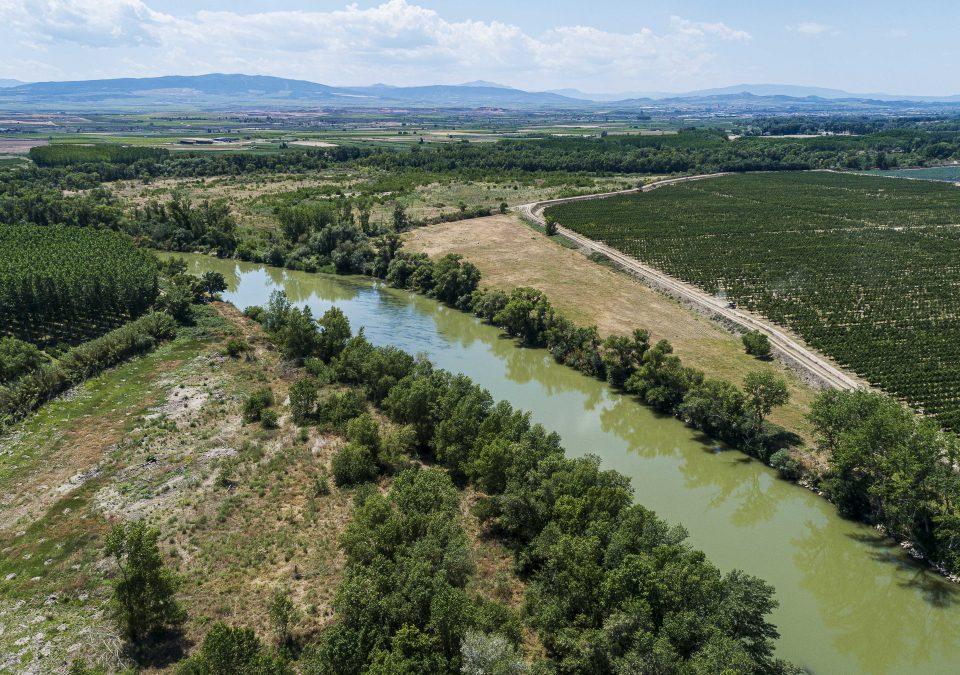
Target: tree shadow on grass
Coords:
[(162, 650)]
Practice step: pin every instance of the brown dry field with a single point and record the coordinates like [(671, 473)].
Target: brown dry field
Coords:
[(18, 146), (510, 254)]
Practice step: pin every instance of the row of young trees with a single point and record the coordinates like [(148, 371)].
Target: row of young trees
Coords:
[(60, 283), (33, 380)]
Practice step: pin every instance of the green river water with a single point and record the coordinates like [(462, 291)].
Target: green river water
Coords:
[(850, 601)]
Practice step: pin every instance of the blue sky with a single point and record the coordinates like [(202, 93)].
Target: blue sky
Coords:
[(595, 46)]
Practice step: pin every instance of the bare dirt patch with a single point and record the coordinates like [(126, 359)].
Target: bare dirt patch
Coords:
[(510, 254), (18, 146)]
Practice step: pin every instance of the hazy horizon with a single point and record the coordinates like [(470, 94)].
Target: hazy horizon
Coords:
[(607, 47)]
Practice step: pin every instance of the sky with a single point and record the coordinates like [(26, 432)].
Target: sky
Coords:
[(597, 46)]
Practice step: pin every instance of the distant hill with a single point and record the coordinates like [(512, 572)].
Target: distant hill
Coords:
[(485, 83), (259, 92)]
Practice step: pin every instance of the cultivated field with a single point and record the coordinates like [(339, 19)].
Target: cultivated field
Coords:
[(864, 269)]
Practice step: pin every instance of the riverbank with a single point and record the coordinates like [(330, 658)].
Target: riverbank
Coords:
[(864, 603)]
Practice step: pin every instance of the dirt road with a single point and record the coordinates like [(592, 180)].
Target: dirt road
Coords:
[(813, 366)]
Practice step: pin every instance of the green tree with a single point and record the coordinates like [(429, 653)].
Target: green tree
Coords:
[(283, 614), (756, 344), (212, 283), (334, 333), (144, 593), (303, 399), (299, 337), (233, 651), (353, 464), (764, 391), (18, 358), (400, 222)]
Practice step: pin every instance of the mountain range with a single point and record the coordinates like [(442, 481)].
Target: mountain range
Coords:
[(260, 92)]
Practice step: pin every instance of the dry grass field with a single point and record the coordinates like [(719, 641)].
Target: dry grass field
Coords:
[(510, 254)]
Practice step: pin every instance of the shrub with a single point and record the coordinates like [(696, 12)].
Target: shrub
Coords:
[(255, 312), (756, 343), (353, 464), (321, 486), (233, 651), (18, 358), (337, 409), (364, 430), (786, 464), (269, 418), (236, 347), (83, 361), (256, 403), (303, 399)]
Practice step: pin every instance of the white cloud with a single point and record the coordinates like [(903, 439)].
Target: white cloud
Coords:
[(396, 41), (811, 28), (92, 23)]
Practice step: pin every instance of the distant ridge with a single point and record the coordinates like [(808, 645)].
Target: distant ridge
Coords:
[(218, 91)]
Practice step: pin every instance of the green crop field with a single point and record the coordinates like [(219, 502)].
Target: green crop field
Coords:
[(866, 269)]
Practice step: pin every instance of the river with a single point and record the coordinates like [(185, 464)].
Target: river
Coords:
[(850, 601)]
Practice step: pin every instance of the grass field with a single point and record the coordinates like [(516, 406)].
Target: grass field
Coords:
[(510, 254), (863, 268)]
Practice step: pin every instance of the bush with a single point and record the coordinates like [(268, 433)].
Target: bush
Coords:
[(233, 651), (337, 409), (321, 486), (303, 399), (255, 312), (756, 343), (236, 347), (353, 464), (786, 464), (256, 403), (18, 358), (269, 419)]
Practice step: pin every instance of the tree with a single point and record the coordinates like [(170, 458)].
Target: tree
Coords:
[(400, 222), (299, 337), (277, 312), (233, 651), (283, 614), (334, 333), (765, 391), (454, 280), (18, 358), (756, 343), (144, 603), (622, 354), (212, 283), (716, 407), (303, 399), (353, 464), (550, 224)]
